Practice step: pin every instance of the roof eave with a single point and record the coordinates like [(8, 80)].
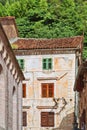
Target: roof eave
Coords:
[(10, 52)]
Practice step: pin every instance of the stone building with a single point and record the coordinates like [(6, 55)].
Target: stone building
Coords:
[(10, 87), (9, 26), (49, 67), (81, 88)]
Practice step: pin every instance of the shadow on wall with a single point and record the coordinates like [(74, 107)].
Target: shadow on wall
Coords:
[(66, 123), (2, 128)]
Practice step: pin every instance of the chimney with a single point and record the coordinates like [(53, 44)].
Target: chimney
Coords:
[(9, 25)]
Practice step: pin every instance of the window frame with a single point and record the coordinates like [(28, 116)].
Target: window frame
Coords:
[(24, 118), (47, 120), (47, 90), (24, 90), (21, 63), (47, 63)]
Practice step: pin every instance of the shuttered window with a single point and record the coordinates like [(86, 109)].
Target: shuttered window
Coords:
[(44, 119), (21, 63), (24, 118), (50, 90), (47, 119), (47, 63), (51, 119), (47, 90), (24, 90)]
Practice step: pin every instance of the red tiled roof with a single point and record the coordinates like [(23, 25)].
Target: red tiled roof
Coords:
[(72, 42)]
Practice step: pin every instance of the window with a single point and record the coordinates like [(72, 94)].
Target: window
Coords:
[(47, 63), (21, 63), (47, 119), (24, 118), (1, 68), (47, 90), (13, 90), (24, 90)]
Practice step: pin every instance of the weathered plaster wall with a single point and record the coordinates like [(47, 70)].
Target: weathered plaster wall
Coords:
[(62, 75)]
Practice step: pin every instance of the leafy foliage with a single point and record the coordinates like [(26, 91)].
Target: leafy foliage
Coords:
[(48, 18)]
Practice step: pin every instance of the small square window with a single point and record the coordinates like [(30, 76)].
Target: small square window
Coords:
[(24, 90), (24, 118), (21, 63), (47, 90), (47, 119), (47, 63)]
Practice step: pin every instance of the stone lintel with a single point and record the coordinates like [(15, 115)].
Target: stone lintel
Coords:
[(47, 78), (26, 107), (46, 107)]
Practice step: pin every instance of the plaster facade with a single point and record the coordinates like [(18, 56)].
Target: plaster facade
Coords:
[(63, 77)]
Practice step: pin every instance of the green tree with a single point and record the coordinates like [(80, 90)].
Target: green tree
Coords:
[(48, 18)]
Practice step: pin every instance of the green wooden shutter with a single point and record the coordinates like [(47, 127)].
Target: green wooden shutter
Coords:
[(49, 63), (44, 63), (21, 63)]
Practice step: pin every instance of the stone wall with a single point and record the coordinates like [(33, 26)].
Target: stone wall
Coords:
[(2, 94), (10, 87), (66, 123), (9, 26), (10, 100)]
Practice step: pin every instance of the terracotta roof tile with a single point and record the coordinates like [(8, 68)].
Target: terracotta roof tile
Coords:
[(72, 42)]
